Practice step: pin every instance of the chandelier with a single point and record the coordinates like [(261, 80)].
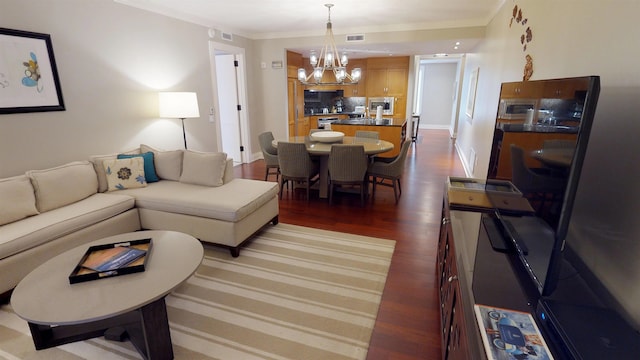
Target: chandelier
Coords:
[(329, 59)]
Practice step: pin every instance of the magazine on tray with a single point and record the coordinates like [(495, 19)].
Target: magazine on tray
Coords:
[(510, 334), (112, 258)]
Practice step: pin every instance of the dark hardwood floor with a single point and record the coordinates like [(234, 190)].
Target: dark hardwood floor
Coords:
[(407, 326)]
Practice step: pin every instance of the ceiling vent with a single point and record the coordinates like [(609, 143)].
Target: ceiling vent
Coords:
[(226, 36), (358, 37)]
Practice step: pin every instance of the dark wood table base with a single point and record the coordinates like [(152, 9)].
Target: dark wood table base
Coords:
[(147, 329)]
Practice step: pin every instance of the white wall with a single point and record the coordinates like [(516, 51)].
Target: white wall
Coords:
[(437, 94), (112, 60), (579, 38)]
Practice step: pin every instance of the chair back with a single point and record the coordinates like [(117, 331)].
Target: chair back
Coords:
[(396, 167), (520, 175), (347, 163), (368, 134), (294, 160), (269, 152)]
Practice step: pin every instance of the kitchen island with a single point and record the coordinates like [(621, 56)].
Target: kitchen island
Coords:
[(392, 130)]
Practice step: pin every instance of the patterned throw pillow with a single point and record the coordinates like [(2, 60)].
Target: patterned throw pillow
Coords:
[(125, 173)]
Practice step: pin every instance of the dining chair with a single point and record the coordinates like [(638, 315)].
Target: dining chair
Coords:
[(380, 171), (270, 154), (537, 184), (296, 165), (348, 166), (367, 134), (415, 126)]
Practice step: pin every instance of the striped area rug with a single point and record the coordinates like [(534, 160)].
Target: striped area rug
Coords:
[(294, 293)]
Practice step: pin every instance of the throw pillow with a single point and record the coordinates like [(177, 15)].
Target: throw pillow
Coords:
[(168, 163), (203, 168), (124, 173), (97, 160), (149, 165), (18, 199), (63, 185)]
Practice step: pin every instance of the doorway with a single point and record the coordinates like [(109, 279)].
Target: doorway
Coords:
[(437, 94), (230, 99)]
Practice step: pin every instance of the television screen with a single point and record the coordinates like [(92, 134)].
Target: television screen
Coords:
[(541, 152)]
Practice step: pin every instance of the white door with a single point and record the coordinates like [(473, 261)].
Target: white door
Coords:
[(230, 110)]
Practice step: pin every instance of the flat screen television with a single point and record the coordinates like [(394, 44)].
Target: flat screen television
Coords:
[(559, 123)]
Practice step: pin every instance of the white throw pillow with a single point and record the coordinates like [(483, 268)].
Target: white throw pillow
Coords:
[(203, 168), (16, 195), (63, 185), (124, 173), (168, 163)]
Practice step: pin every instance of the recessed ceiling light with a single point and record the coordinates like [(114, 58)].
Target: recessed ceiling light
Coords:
[(457, 43)]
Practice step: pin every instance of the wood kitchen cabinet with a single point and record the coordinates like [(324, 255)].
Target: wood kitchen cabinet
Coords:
[(564, 88), (360, 88), (389, 77), (521, 89), (295, 97)]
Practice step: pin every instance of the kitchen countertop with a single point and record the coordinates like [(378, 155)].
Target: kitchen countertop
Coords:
[(538, 128), (371, 122)]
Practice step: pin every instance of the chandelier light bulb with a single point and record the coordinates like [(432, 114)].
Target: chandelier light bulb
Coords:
[(317, 74), (313, 58), (344, 59)]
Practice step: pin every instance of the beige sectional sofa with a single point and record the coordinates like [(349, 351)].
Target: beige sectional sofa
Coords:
[(46, 212)]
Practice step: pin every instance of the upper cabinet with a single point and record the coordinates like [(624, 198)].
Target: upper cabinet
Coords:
[(387, 76), (548, 89), (360, 88)]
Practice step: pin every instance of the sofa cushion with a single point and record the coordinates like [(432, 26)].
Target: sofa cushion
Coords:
[(124, 173), (36, 230), (201, 168), (168, 163), (63, 185), (97, 160), (149, 166), (18, 199), (230, 202)]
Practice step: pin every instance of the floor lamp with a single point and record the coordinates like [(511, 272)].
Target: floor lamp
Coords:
[(179, 105)]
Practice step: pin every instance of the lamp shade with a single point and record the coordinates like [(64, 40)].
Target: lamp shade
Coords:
[(180, 105)]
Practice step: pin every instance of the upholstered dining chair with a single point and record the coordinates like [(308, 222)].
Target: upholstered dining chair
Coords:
[(296, 165), (270, 154), (348, 166), (382, 172), (367, 134), (536, 184)]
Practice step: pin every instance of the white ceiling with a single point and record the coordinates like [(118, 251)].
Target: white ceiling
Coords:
[(267, 19)]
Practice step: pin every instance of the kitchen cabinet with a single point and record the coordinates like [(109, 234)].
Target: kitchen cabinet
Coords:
[(360, 88), (389, 77), (564, 89), (297, 124), (521, 89)]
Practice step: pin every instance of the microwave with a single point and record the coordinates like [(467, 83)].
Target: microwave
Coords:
[(515, 108), (385, 102)]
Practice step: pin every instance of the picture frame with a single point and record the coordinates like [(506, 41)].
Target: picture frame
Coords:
[(471, 96), (29, 79)]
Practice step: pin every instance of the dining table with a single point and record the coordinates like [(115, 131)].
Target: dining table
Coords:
[(321, 150), (554, 157)]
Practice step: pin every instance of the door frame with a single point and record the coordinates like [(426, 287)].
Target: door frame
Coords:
[(242, 98)]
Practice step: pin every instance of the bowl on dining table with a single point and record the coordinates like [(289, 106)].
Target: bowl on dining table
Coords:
[(327, 136)]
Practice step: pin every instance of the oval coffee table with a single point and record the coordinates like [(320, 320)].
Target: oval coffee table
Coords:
[(60, 313)]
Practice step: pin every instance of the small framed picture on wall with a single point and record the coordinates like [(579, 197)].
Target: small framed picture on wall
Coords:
[(471, 95)]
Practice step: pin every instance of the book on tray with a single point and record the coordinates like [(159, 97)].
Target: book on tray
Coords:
[(510, 334)]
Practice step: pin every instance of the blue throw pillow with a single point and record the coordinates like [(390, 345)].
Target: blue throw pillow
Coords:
[(149, 167)]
